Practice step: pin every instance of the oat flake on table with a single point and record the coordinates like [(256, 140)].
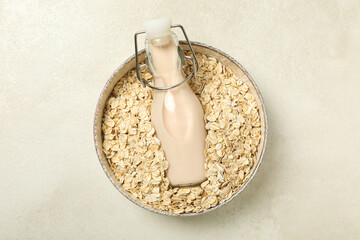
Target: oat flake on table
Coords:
[(135, 155)]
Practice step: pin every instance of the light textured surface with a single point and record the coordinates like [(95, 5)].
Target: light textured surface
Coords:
[(55, 57)]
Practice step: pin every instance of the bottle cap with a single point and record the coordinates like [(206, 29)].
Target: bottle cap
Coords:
[(157, 28)]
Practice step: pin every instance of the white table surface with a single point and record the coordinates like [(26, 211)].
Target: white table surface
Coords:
[(55, 57)]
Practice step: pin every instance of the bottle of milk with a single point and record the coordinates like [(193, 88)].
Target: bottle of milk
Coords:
[(176, 113)]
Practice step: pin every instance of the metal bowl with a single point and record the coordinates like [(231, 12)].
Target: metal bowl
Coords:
[(129, 64)]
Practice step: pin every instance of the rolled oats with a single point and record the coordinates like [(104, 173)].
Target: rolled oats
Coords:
[(233, 134)]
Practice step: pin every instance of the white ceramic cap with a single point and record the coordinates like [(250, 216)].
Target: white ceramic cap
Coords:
[(157, 28)]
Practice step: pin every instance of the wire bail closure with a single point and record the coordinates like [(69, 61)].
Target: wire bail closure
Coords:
[(182, 57)]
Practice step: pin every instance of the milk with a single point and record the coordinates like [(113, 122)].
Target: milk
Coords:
[(177, 115)]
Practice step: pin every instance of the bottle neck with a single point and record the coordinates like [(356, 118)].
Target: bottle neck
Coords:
[(164, 60)]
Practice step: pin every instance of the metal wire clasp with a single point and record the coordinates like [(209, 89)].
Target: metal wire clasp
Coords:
[(182, 57)]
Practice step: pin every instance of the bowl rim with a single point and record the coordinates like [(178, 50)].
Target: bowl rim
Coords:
[(98, 114)]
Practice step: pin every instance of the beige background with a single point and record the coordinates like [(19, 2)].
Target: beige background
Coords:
[(55, 57)]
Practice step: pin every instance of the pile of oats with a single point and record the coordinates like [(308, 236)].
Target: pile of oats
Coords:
[(135, 155)]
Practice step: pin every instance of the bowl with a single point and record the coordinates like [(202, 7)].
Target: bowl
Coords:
[(128, 65)]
